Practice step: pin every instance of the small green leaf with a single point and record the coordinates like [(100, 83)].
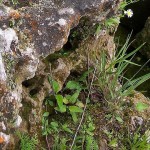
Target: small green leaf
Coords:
[(119, 119), (46, 114), (46, 122), (80, 104), (55, 124), (68, 97), (141, 106), (74, 97), (108, 116), (48, 130), (123, 5), (62, 108), (65, 128), (112, 22), (74, 116), (75, 109), (113, 143), (44, 133), (85, 74), (55, 84), (59, 99), (56, 87), (90, 133), (65, 101), (91, 127), (73, 85), (51, 103)]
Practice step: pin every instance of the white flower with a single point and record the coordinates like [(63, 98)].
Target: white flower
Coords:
[(129, 13)]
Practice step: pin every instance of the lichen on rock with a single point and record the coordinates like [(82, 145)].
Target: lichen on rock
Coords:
[(38, 31)]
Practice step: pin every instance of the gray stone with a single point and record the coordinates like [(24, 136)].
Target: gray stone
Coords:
[(36, 32)]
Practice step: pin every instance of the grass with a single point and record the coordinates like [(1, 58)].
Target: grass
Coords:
[(137, 141), (128, 140), (111, 81)]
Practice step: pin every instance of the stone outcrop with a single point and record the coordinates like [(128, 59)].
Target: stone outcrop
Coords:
[(28, 35)]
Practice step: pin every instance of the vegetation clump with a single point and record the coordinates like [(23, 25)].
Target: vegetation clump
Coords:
[(27, 142), (106, 83)]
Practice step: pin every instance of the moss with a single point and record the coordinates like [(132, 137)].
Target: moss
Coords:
[(26, 110), (62, 53)]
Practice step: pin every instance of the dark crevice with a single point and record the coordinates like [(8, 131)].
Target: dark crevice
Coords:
[(34, 91), (135, 24), (77, 35), (141, 12)]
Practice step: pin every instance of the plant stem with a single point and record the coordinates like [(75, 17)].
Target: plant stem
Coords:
[(47, 143), (83, 114)]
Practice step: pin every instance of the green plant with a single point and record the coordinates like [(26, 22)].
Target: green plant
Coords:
[(137, 141), (113, 141), (114, 21), (128, 140), (68, 103), (62, 134), (125, 3), (141, 106), (111, 80), (60, 144), (53, 126), (27, 143), (49, 127), (55, 129), (85, 139), (91, 143)]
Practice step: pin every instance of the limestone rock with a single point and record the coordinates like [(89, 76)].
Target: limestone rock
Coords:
[(28, 35)]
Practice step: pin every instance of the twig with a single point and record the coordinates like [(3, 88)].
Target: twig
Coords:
[(46, 106), (78, 128), (47, 138), (51, 79), (88, 64), (47, 143)]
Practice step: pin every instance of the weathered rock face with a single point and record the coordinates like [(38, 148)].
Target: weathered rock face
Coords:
[(144, 37), (27, 36)]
